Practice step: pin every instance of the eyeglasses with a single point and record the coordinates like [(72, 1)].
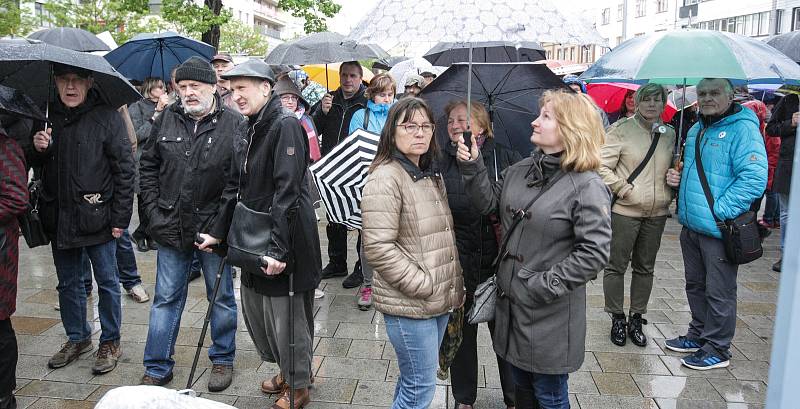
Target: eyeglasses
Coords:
[(289, 97), (414, 128)]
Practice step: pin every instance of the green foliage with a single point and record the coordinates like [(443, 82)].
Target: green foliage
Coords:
[(146, 24), (314, 12), (95, 16), (239, 38), (14, 19), (190, 18)]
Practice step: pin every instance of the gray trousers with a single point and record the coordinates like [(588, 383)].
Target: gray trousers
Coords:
[(366, 269), (634, 239), (267, 320), (711, 291)]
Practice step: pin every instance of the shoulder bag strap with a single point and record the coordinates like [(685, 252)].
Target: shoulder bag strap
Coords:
[(646, 160), (702, 175), (520, 214)]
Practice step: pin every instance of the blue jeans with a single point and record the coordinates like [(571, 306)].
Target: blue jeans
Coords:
[(551, 391), (416, 343), (71, 271), (126, 265), (784, 200), (172, 275), (772, 207)]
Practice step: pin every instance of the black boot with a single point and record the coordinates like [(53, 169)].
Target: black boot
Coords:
[(635, 330), (618, 324), (356, 278), (8, 402), (337, 251)]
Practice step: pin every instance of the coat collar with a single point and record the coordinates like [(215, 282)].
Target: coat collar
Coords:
[(413, 170)]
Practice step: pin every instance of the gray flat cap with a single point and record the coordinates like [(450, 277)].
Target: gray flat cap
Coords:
[(251, 68)]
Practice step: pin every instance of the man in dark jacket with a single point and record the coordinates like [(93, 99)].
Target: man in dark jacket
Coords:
[(332, 118), (185, 167), (783, 124), (86, 203), (273, 160), (13, 202)]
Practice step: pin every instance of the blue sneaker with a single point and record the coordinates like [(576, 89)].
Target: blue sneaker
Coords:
[(682, 344), (704, 360)]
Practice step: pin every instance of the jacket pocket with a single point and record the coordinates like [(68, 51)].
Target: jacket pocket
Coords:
[(162, 223), (94, 213)]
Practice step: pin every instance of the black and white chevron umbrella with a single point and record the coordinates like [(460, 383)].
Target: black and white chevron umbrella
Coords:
[(340, 176)]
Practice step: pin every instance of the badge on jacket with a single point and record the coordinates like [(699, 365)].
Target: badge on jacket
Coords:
[(290, 151)]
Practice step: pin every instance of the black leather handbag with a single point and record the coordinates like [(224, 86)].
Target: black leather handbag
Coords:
[(249, 237), (30, 223)]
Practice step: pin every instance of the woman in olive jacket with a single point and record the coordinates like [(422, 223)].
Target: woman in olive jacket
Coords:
[(408, 240), (561, 242)]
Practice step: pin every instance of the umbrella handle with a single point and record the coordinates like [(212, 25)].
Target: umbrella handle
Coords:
[(469, 87)]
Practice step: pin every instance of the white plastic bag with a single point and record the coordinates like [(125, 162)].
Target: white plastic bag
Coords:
[(155, 397)]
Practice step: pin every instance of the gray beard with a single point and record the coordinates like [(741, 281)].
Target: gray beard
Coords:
[(199, 110)]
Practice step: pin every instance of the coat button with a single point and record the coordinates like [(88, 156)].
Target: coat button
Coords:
[(188, 153), (178, 139), (447, 229), (452, 258), (555, 282), (196, 209)]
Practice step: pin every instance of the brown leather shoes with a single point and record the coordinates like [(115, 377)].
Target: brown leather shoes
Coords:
[(277, 384), (301, 399)]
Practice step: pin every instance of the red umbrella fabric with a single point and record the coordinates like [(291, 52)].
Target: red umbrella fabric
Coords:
[(610, 97)]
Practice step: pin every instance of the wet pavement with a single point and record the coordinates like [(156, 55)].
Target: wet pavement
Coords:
[(355, 365)]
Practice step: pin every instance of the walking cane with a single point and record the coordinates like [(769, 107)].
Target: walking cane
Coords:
[(291, 341), (208, 318)]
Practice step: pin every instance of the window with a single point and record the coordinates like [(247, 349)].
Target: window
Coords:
[(572, 53), (606, 16), (796, 18), (586, 52), (778, 18), (641, 8), (661, 6), (619, 40)]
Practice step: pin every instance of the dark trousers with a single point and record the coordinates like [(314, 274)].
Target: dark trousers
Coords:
[(144, 221), (8, 358), (772, 209), (549, 391), (464, 369), (710, 290), (337, 244)]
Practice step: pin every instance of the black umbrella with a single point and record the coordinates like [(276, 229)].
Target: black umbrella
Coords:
[(71, 38), (322, 48), (509, 91), (28, 68), (446, 54), (12, 39), (13, 102), (787, 43), (387, 63)]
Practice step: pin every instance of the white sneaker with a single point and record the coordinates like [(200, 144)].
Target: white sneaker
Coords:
[(318, 293), (139, 294)]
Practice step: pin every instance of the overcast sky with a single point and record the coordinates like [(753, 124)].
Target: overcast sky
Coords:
[(353, 10)]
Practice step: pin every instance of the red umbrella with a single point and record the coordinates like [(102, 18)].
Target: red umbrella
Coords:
[(610, 97)]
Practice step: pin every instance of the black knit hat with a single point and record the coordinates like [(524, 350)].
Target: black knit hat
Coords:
[(196, 69)]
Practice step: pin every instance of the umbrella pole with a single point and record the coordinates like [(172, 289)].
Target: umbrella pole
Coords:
[(468, 134), (677, 154), (327, 87)]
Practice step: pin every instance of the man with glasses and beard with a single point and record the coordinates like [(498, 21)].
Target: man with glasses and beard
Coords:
[(185, 166)]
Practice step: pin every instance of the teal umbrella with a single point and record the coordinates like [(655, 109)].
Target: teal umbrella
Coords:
[(687, 56)]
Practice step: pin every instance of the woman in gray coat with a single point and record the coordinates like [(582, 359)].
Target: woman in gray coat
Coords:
[(560, 243)]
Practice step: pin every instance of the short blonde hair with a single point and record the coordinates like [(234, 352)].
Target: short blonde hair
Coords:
[(380, 83), (579, 127), (477, 113)]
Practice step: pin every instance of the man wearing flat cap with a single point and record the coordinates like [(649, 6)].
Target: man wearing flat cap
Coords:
[(185, 182), (87, 201), (222, 63), (274, 157)]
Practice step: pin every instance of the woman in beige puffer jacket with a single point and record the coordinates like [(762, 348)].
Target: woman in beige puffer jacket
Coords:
[(408, 240)]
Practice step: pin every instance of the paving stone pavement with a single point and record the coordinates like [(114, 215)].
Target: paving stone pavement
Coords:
[(355, 365)]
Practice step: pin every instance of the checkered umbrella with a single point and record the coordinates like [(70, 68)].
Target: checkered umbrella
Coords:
[(341, 174)]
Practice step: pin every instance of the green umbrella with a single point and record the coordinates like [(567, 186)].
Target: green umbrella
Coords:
[(687, 56)]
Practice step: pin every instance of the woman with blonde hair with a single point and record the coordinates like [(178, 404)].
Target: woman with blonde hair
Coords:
[(554, 210), (409, 242), (476, 239)]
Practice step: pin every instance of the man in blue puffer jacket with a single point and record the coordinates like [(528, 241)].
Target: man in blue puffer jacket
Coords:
[(735, 164)]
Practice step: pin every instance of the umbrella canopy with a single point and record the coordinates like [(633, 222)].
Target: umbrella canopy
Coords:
[(446, 54), (154, 55), (12, 39), (28, 68), (680, 99), (386, 64), (329, 74), (687, 56), (509, 91), (787, 43), (341, 174), (403, 23), (71, 38), (14, 102), (610, 97), (403, 69), (322, 48)]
